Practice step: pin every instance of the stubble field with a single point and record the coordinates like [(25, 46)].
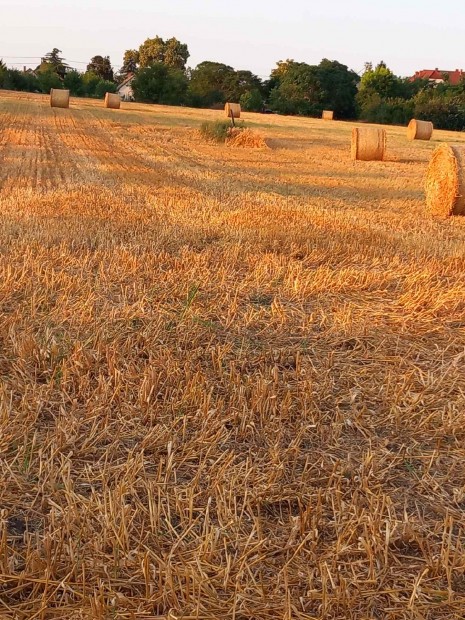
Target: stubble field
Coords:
[(231, 380)]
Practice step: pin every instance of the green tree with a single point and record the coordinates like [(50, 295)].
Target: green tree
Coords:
[(211, 83), (53, 62), (244, 82), (176, 53), (101, 66), (89, 83), (339, 88), (381, 81), (252, 101), (172, 53), (103, 87), (47, 79), (160, 84), (298, 89), (130, 62), (74, 83)]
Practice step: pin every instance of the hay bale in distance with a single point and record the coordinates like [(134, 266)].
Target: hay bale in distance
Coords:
[(445, 181), (328, 115), (113, 101), (368, 143), (59, 98), (419, 130), (233, 109)]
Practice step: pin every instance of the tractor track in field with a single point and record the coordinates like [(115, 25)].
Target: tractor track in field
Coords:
[(153, 161)]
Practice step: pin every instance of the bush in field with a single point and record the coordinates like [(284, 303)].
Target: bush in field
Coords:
[(394, 111), (216, 131), (443, 112)]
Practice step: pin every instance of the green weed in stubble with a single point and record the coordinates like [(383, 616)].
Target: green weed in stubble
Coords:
[(191, 295)]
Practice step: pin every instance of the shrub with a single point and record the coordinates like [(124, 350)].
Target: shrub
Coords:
[(395, 111), (443, 112), (47, 80), (216, 131)]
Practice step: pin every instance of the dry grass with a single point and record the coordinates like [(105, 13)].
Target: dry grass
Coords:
[(245, 138), (231, 381)]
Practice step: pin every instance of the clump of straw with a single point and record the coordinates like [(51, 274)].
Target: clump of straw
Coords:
[(245, 138)]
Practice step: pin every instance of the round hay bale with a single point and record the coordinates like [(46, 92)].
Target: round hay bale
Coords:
[(59, 98), (233, 110), (445, 181), (419, 130), (113, 101), (368, 143), (328, 115)]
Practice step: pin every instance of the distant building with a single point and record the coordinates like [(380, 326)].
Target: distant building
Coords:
[(436, 76), (124, 90)]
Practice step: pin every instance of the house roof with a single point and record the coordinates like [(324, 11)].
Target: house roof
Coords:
[(126, 81), (437, 74)]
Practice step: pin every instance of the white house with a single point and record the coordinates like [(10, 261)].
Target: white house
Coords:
[(124, 90)]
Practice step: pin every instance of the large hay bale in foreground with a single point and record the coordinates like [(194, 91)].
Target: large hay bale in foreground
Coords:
[(59, 98), (445, 181), (368, 143), (233, 110), (328, 115), (419, 130), (112, 101)]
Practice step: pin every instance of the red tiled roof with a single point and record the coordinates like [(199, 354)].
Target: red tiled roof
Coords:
[(436, 74)]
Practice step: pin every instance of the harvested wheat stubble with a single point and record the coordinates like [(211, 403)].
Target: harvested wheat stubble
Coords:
[(328, 115), (368, 143), (419, 130), (445, 181), (59, 98), (245, 138), (112, 101), (233, 110)]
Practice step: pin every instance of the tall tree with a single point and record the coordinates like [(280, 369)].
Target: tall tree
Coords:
[(172, 53), (298, 89), (53, 62), (210, 83), (101, 66), (130, 62), (176, 54), (159, 83), (380, 80), (339, 87), (74, 83)]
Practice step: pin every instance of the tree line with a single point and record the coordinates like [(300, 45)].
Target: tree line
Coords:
[(160, 75)]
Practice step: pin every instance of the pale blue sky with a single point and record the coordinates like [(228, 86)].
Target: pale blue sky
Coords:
[(247, 34)]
